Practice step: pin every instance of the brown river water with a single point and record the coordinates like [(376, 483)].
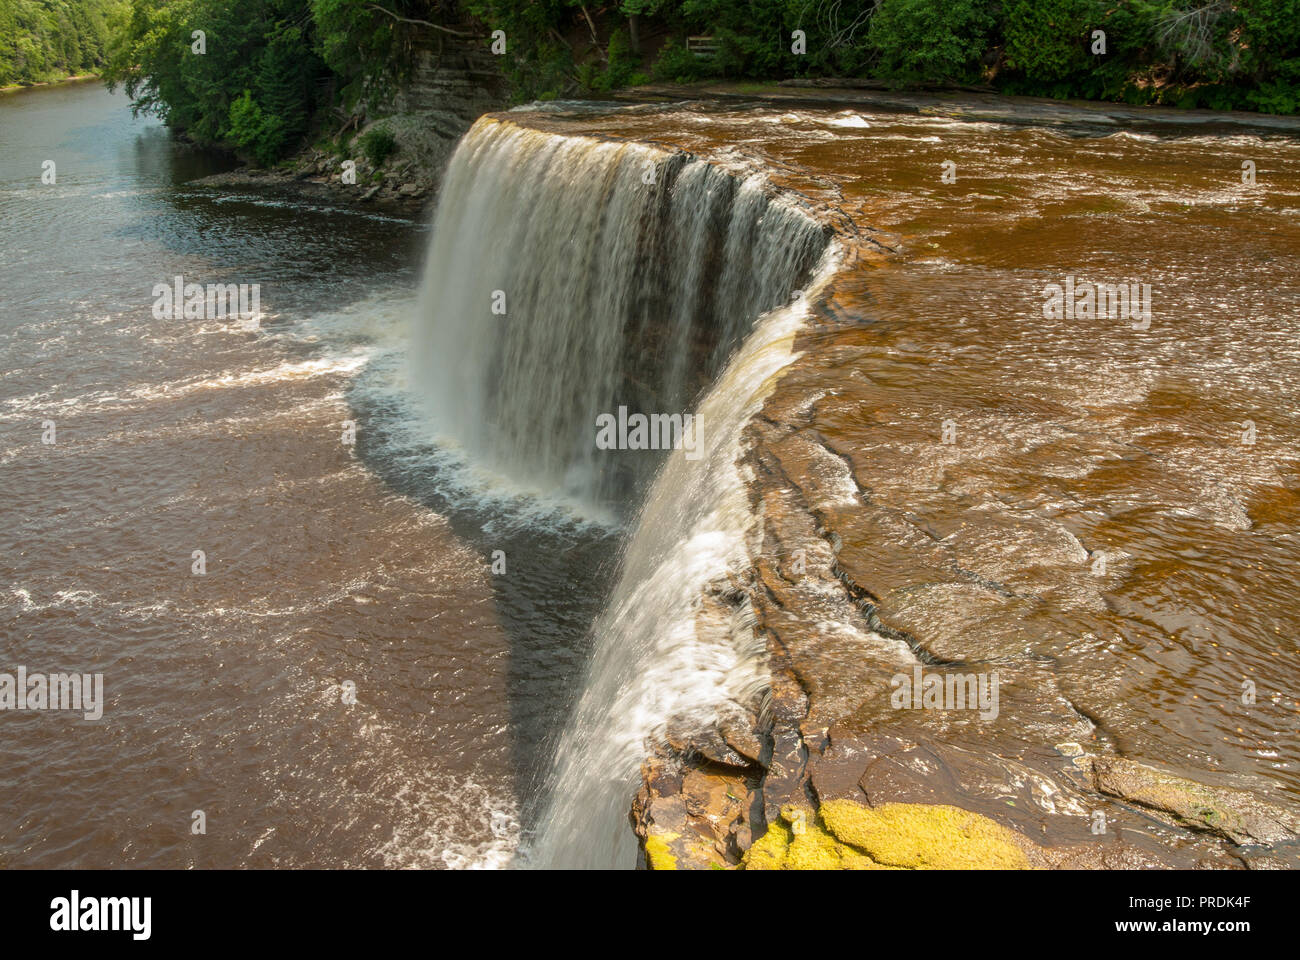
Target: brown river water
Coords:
[(1168, 450), (325, 563)]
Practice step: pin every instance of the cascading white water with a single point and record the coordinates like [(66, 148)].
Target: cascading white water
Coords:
[(631, 276), (627, 275), (651, 663)]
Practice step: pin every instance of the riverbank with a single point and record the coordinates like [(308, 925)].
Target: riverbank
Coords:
[(37, 84), (407, 183), (440, 101), (318, 177), (403, 184)]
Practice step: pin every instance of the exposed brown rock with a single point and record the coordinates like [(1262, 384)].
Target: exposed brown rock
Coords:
[(698, 816)]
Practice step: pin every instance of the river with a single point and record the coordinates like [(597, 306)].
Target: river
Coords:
[(375, 658), (327, 563)]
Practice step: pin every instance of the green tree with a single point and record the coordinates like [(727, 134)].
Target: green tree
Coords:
[(51, 39), (920, 40), (258, 54)]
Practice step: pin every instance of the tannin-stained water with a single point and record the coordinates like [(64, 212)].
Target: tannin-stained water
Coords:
[(330, 567), (1118, 503)]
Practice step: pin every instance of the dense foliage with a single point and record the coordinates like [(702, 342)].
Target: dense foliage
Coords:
[(275, 71), (1242, 54), (51, 39), (260, 74)]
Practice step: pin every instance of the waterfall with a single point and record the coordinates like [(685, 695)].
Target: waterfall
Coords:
[(568, 276), (636, 277), (653, 662)]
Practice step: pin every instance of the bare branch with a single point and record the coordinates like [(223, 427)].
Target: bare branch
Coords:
[(594, 38), (1191, 33), (422, 23)]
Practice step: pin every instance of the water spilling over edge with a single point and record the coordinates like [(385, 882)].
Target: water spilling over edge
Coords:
[(656, 658), (569, 276)]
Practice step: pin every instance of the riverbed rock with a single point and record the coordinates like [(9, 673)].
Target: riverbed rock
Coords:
[(1234, 814), (692, 818), (707, 743)]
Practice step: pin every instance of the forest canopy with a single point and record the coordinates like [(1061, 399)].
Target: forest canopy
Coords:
[(273, 72), (43, 40)]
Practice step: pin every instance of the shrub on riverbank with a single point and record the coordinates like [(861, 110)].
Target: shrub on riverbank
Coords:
[(377, 145)]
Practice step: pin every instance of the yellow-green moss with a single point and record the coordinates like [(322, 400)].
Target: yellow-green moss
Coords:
[(768, 851), (815, 849), (843, 835), (658, 853), (924, 836), (811, 848)]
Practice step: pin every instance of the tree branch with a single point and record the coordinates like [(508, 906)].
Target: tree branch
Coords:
[(422, 23), (594, 38)]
